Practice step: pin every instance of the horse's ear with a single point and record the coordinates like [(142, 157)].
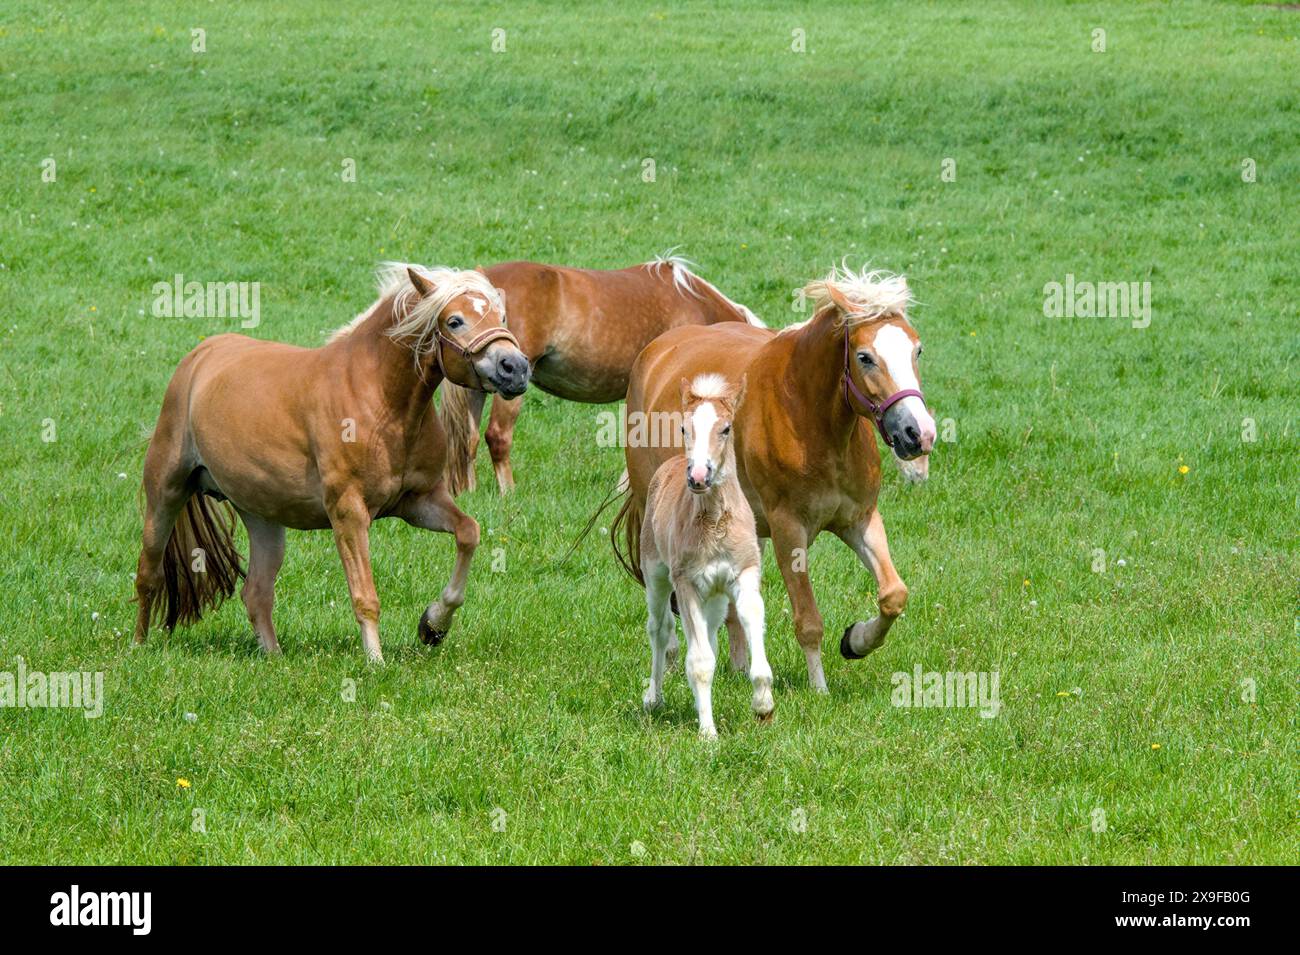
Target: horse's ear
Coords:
[(740, 391), (421, 284), (840, 300), (686, 392)]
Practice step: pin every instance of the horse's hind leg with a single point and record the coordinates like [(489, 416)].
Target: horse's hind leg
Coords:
[(266, 554), (660, 627), (500, 436), (437, 511), (739, 658)]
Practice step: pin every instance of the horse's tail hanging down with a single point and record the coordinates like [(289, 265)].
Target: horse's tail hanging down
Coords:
[(200, 565), (462, 437), (627, 524)]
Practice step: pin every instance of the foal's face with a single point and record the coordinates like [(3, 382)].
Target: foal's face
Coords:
[(709, 407), (500, 366), (884, 361)]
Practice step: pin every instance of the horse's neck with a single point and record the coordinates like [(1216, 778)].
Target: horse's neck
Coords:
[(815, 375), (407, 381)]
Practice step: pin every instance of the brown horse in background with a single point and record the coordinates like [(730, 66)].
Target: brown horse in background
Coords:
[(581, 329), (806, 452), (332, 437)]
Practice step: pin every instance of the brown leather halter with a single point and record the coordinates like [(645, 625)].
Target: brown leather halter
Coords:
[(875, 411), (474, 346)]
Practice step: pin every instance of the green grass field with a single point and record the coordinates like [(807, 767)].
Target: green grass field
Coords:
[(521, 740)]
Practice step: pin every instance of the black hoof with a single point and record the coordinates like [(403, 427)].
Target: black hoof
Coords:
[(428, 635), (846, 648)]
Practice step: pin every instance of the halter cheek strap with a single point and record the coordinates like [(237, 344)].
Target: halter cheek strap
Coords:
[(875, 411), (473, 347)]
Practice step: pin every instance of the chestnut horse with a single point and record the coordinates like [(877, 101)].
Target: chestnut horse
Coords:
[(332, 437), (581, 329), (806, 453)]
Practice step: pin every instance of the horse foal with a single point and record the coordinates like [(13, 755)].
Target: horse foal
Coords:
[(698, 541)]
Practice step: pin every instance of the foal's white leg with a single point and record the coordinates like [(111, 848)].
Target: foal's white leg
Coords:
[(749, 607), (660, 628), (700, 654)]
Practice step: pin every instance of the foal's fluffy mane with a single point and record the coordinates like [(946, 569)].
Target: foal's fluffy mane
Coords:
[(710, 386), (684, 280), (872, 293), (419, 316)]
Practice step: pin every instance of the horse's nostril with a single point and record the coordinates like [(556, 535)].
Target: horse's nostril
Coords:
[(507, 366), (912, 433)]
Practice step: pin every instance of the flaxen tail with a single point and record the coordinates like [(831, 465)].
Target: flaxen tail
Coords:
[(462, 437), (627, 524), (200, 565)]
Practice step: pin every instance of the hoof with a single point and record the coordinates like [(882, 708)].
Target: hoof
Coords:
[(767, 717), (430, 636), (873, 637), (846, 648)]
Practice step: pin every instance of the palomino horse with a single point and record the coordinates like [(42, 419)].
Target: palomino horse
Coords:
[(581, 329), (698, 542), (332, 437), (806, 455)]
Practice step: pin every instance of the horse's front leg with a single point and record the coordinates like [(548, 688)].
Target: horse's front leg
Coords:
[(351, 522), (700, 620), (748, 605), (437, 511), (872, 547), (790, 548), (501, 436)]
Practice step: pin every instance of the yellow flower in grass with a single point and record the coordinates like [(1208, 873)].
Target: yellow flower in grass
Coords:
[(1183, 469), (1065, 693), (182, 783), (1155, 745)]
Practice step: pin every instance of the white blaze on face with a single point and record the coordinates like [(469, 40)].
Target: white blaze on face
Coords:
[(697, 455), (480, 305), (895, 349)]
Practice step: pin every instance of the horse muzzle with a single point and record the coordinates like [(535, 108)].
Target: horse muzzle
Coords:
[(510, 373), (908, 437)]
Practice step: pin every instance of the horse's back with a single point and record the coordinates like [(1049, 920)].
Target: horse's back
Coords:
[(685, 352), (583, 328)]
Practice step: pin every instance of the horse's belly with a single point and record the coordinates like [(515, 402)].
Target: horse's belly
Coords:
[(587, 379), (291, 499)]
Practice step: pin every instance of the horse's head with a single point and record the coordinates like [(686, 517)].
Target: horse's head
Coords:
[(708, 407), (882, 379), (467, 332)]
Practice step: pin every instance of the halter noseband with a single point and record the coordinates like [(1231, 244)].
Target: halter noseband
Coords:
[(877, 411), (475, 345)]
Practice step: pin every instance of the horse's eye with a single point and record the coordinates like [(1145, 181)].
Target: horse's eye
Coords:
[(726, 430), (455, 322), (866, 359)]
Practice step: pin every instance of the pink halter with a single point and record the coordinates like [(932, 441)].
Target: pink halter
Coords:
[(877, 411)]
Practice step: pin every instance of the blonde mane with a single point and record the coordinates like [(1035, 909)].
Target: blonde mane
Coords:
[(418, 321), (684, 280), (873, 293)]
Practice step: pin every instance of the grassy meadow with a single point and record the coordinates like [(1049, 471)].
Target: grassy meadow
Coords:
[(1111, 526)]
